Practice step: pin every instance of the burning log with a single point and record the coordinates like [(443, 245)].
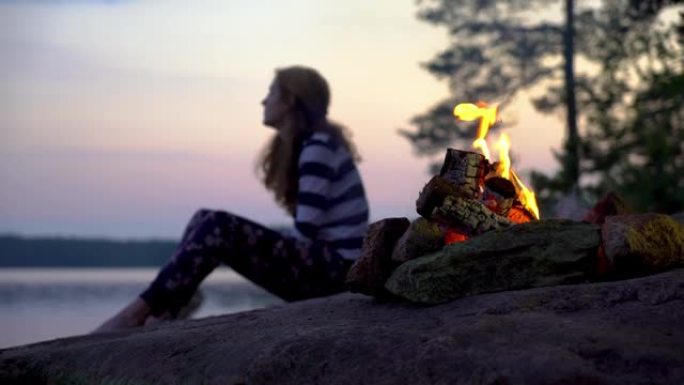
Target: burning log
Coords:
[(466, 171), (499, 194), (470, 215), (433, 195), (370, 271), (422, 237), (519, 214)]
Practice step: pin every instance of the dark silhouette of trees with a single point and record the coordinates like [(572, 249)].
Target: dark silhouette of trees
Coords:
[(631, 106), (629, 96), (634, 141), (572, 154), (493, 54)]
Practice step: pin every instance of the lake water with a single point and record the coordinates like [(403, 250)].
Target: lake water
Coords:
[(39, 304)]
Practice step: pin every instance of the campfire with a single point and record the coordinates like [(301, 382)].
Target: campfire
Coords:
[(479, 230), (471, 195), (493, 190)]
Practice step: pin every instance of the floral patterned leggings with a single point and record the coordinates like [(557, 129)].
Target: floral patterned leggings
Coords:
[(290, 269)]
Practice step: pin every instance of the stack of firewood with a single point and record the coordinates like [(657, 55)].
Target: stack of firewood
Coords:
[(469, 197)]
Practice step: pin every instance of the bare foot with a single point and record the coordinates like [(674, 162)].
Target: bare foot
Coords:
[(152, 320), (185, 312), (132, 315)]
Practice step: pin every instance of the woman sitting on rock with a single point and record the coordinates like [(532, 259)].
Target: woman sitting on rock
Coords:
[(309, 165)]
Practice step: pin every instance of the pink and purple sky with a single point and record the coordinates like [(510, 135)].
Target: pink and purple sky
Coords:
[(120, 118)]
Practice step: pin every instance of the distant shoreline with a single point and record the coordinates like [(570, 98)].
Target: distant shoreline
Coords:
[(84, 251), (57, 251)]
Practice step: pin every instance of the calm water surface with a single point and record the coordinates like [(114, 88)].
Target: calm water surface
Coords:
[(41, 304)]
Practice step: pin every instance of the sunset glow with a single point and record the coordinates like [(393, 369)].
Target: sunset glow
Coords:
[(121, 118)]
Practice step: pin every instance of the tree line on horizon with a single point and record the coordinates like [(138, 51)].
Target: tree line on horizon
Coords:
[(19, 251), (624, 109)]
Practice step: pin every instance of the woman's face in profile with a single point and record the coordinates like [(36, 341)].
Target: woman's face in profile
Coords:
[(275, 107)]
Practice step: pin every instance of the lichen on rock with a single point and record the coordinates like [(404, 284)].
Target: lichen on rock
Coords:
[(643, 243)]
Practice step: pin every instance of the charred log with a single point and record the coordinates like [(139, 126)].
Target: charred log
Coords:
[(470, 215), (465, 170), (433, 195), (499, 194), (519, 214)]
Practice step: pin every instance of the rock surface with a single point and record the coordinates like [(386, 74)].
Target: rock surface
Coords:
[(679, 217), (643, 242), (622, 332), (370, 271), (534, 254)]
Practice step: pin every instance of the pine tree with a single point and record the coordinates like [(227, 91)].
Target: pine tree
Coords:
[(630, 98)]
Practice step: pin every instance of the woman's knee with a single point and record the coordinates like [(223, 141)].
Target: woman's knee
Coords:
[(204, 216), (196, 222), (202, 213)]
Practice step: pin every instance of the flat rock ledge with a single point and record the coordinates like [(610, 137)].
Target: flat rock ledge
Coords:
[(622, 332)]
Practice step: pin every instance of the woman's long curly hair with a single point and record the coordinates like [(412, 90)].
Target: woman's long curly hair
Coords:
[(277, 166)]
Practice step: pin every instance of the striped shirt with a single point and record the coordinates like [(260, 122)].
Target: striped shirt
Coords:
[(331, 201)]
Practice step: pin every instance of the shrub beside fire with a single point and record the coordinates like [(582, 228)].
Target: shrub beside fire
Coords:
[(480, 231)]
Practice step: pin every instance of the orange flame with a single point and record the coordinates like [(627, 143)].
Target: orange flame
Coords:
[(504, 146), (487, 115), (525, 195)]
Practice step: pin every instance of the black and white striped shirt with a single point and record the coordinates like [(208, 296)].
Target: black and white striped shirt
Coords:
[(331, 202)]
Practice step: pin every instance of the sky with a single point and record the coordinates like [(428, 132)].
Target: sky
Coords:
[(121, 118)]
